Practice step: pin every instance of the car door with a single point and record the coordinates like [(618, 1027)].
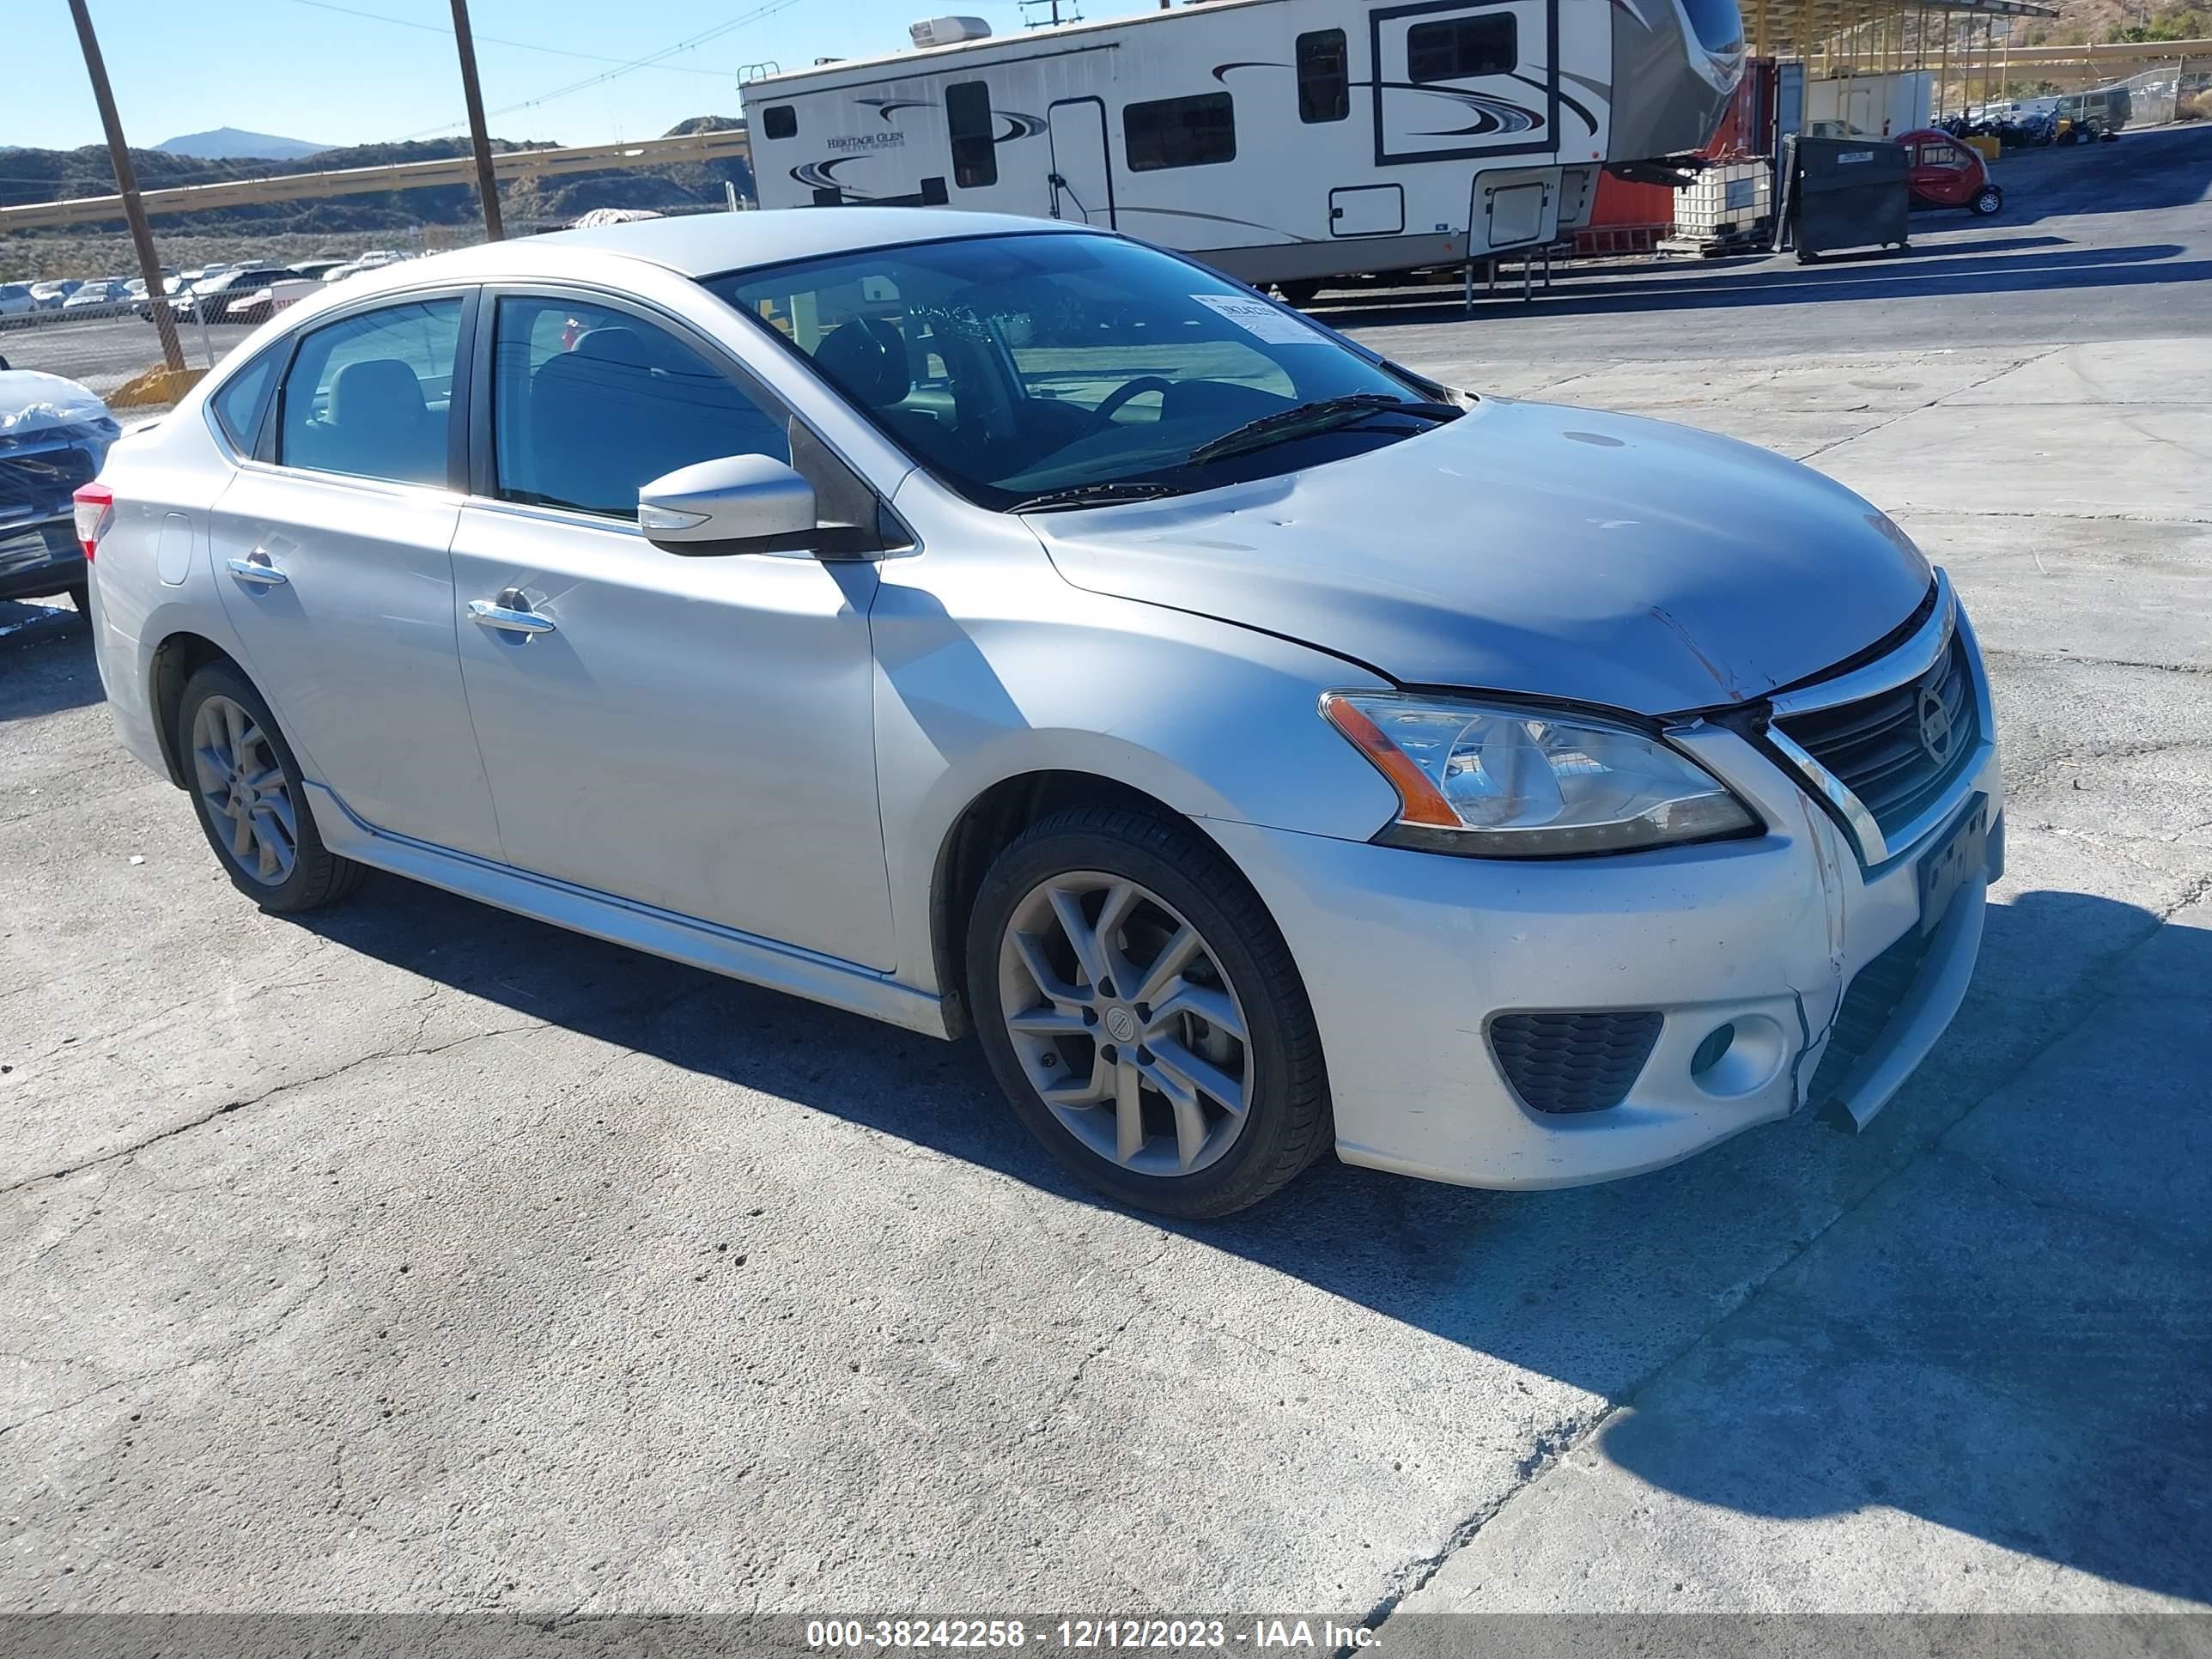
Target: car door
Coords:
[(1939, 173), (691, 734), (332, 556)]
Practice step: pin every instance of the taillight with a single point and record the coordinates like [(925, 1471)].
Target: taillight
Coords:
[(95, 511)]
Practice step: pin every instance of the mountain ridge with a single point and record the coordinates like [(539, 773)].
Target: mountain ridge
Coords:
[(28, 175), (237, 144)]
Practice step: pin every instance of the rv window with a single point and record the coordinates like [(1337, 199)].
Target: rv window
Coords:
[(1324, 82), (1179, 133), (780, 121), (1461, 48), (968, 113)]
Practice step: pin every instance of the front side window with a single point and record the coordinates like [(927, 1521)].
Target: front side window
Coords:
[(589, 403), (1461, 48), (1014, 367), (372, 396), (1324, 80), (968, 113), (1179, 133)]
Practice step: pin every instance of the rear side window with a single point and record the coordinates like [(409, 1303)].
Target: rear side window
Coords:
[(1324, 82), (968, 113), (1461, 48), (589, 403), (371, 395), (780, 121), (238, 405), (1179, 133)]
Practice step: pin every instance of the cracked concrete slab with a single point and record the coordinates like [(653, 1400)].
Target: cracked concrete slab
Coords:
[(427, 1258)]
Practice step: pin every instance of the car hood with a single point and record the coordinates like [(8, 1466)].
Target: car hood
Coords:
[(1530, 548), (32, 403)]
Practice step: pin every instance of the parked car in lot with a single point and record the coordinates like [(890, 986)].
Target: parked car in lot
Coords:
[(1263, 747), (109, 293), (213, 298), (53, 436), (16, 300), (51, 296)]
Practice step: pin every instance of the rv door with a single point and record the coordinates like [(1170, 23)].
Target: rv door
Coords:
[(1082, 177), (1453, 79)]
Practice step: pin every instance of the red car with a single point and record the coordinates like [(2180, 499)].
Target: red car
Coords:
[(1945, 172)]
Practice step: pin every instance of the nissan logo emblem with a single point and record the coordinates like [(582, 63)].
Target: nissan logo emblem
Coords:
[(1935, 730)]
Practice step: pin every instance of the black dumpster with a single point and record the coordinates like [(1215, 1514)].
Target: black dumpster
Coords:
[(1842, 193)]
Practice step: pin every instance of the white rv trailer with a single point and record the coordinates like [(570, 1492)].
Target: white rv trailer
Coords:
[(1279, 140)]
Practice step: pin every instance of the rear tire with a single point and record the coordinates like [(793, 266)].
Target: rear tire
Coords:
[(1987, 200), (247, 791), (1144, 1087), (1300, 294)]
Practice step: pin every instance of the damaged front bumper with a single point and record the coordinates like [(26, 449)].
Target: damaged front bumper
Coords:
[(1523, 1024)]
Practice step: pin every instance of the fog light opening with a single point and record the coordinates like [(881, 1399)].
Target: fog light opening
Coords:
[(1738, 1057), (1712, 1050)]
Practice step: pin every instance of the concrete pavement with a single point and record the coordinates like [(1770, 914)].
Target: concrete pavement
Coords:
[(425, 1258)]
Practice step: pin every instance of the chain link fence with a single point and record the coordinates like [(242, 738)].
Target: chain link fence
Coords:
[(103, 334)]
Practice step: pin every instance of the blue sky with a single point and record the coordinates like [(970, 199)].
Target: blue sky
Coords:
[(306, 70)]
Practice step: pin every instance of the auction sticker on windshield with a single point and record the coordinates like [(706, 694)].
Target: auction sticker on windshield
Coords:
[(1261, 320)]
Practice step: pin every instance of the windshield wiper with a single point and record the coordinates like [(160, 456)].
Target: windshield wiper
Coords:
[(1098, 495), (1319, 416)]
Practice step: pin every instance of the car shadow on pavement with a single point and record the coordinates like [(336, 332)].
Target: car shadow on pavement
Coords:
[(1998, 1322), (45, 660)]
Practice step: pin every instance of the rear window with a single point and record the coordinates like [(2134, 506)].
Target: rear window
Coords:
[(238, 405), (780, 121)]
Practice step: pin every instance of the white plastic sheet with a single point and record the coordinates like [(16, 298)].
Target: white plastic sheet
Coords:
[(31, 401)]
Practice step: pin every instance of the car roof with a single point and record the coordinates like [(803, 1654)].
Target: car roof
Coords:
[(708, 244)]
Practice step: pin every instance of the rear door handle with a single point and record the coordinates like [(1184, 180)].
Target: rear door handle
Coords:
[(256, 569), (507, 619)]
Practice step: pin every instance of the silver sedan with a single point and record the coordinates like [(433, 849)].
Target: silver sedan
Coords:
[(989, 624)]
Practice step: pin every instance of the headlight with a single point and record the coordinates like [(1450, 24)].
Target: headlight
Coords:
[(1506, 782)]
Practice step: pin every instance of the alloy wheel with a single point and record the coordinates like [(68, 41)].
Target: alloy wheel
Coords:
[(242, 785), (1125, 1024)]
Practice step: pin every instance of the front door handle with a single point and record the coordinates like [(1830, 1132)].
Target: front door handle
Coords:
[(256, 569), (507, 619)]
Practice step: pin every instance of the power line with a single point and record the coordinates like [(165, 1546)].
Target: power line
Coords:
[(494, 40), (651, 60)]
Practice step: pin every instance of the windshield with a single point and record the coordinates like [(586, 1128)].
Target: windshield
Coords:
[(1015, 368), (1718, 24)]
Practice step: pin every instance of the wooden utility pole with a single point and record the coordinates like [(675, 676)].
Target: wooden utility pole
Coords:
[(487, 185), (126, 186)]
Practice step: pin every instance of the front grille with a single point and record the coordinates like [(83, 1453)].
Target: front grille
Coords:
[(1573, 1062), (1866, 1009), (1878, 747), (42, 483)]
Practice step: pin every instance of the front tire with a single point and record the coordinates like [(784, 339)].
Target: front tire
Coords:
[(1141, 1010), (1987, 200), (247, 791)]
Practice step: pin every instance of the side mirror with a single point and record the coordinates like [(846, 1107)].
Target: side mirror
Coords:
[(738, 504)]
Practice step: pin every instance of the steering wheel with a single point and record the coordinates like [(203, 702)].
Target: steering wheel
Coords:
[(1110, 404)]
